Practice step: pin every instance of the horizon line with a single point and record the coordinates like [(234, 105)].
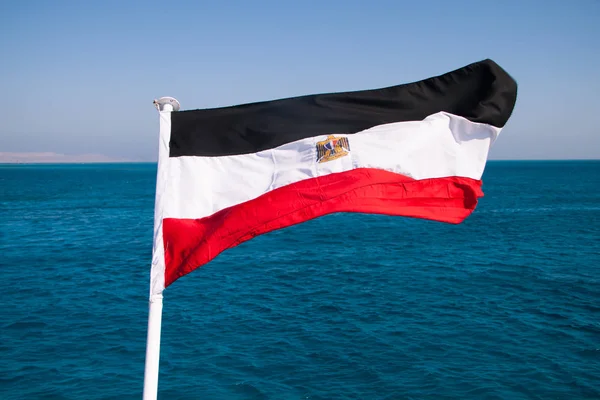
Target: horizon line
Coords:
[(156, 161)]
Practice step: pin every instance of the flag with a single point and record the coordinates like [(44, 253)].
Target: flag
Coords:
[(416, 150)]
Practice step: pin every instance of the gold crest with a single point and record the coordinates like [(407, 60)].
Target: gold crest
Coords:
[(332, 148)]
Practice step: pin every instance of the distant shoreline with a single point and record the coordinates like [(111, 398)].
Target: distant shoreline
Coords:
[(76, 162), (58, 158)]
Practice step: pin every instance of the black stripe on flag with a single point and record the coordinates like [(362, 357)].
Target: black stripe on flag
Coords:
[(481, 92)]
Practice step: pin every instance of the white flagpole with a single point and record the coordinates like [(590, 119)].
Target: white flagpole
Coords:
[(164, 104), (153, 348)]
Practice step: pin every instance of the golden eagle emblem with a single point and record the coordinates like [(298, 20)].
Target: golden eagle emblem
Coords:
[(332, 148)]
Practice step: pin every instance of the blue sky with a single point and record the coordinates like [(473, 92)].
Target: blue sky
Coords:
[(79, 77)]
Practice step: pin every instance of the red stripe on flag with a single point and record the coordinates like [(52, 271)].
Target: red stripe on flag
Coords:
[(191, 243)]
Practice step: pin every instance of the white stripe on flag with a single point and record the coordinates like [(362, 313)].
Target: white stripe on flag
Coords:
[(442, 145)]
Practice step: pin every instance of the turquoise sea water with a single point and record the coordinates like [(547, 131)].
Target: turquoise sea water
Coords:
[(348, 306)]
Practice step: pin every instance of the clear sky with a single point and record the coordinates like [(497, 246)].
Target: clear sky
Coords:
[(79, 77)]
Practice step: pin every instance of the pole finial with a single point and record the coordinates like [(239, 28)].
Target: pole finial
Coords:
[(164, 101)]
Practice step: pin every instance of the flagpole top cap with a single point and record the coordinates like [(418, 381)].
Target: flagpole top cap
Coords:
[(166, 101)]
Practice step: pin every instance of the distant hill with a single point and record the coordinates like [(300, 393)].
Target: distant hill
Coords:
[(47, 157)]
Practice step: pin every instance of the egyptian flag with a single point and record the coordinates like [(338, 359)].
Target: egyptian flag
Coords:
[(416, 150)]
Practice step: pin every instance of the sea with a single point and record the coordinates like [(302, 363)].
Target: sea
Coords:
[(505, 305)]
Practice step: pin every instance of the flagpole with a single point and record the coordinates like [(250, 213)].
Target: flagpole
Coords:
[(165, 106), (153, 347)]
